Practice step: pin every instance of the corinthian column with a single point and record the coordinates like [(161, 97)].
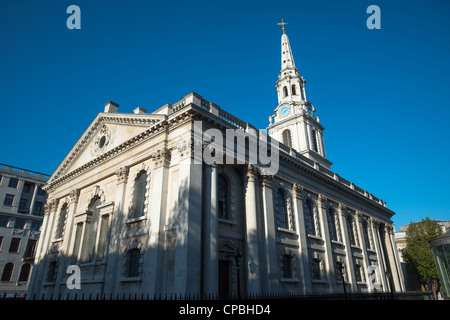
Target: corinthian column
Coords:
[(251, 235), (210, 233), (270, 282)]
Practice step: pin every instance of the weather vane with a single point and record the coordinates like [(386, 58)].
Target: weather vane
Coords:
[(282, 23)]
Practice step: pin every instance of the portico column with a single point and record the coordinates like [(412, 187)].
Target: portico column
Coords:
[(210, 233), (392, 258), (64, 256), (253, 264), (270, 282), (157, 201), (374, 225), (305, 272), (112, 269), (401, 279)]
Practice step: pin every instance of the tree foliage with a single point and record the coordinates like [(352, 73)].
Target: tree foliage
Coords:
[(417, 253)]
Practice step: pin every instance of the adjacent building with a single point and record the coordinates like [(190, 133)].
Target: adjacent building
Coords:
[(21, 214), (411, 283), (149, 203)]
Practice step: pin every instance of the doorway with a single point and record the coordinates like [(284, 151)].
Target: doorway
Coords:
[(224, 278)]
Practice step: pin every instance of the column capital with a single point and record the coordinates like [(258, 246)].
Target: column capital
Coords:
[(322, 201), (73, 195), (298, 191), (161, 157), (50, 206), (358, 215), (252, 172), (122, 174), (388, 228), (267, 181)]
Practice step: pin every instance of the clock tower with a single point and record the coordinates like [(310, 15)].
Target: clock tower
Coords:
[(294, 123)]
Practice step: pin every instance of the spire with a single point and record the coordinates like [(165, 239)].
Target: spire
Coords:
[(287, 59)]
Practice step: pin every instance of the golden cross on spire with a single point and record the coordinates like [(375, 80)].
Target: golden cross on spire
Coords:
[(282, 23)]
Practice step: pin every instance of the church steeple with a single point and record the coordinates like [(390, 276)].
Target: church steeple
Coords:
[(290, 85), (294, 122)]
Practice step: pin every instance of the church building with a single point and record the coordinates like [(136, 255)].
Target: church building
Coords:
[(133, 209)]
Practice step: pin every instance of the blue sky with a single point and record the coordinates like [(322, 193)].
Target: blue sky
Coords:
[(382, 95)]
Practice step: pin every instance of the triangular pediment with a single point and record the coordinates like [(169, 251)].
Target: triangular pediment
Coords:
[(105, 133)]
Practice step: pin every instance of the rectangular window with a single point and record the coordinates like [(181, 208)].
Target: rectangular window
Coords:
[(1, 241), (41, 192), (35, 225), (38, 209), (14, 246), (287, 266), (9, 199), (27, 187), (23, 206), (31, 247), (4, 221), (19, 224), (13, 183)]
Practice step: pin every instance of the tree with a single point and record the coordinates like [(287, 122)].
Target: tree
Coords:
[(417, 253)]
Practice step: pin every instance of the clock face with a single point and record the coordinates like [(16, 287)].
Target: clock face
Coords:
[(285, 110)]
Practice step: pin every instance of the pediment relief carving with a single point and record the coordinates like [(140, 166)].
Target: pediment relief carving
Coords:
[(106, 133)]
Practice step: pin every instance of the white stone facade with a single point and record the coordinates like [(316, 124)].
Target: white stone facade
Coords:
[(131, 207)]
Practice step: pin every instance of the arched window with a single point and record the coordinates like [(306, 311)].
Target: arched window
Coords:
[(223, 198), (285, 91), (314, 140), (287, 138), (133, 262), (366, 234), (294, 91), (140, 189), (333, 224), (310, 218), (282, 213), (61, 221), (7, 272), (351, 233), (25, 272)]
